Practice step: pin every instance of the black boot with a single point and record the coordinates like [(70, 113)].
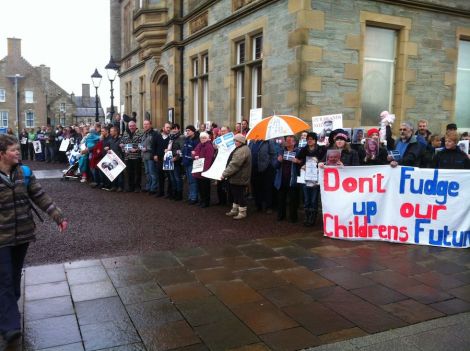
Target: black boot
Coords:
[(178, 196), (307, 217), (314, 217)]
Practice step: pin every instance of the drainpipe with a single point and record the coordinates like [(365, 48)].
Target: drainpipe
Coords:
[(181, 49)]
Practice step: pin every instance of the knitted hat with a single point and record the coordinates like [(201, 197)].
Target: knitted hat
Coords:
[(372, 131), (191, 128), (240, 138), (342, 136)]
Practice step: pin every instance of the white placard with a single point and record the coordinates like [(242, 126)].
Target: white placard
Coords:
[(323, 125), (225, 146), (198, 165), (111, 165), (24, 141), (311, 169), (463, 145), (256, 115), (37, 147), (64, 145)]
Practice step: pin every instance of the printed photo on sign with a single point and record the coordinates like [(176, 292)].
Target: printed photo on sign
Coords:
[(198, 165), (24, 141), (111, 165), (463, 145), (372, 148), (311, 169), (324, 125), (333, 157), (358, 135), (168, 164), (37, 147)]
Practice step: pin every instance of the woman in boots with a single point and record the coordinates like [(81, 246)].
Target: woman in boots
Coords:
[(311, 189), (238, 172)]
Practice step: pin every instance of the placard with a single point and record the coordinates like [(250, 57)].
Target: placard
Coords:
[(64, 145), (111, 165), (256, 115), (324, 125), (463, 145), (37, 146), (198, 165), (225, 145)]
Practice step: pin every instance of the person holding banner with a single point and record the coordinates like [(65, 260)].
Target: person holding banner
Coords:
[(311, 189), (452, 157), (349, 157), (204, 150), (238, 172), (377, 156), (407, 147)]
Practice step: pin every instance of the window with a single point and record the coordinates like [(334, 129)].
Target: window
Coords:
[(462, 94), (3, 119), (29, 121), (205, 88), (29, 96), (2, 95), (62, 107), (200, 87), (128, 97), (248, 75), (378, 73)]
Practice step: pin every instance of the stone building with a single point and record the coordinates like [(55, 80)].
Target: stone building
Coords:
[(214, 60), (85, 107), (30, 99)]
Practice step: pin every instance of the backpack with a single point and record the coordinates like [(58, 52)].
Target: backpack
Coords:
[(26, 178)]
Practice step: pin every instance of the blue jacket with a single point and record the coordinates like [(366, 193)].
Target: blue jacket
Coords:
[(267, 153), (188, 146), (294, 172)]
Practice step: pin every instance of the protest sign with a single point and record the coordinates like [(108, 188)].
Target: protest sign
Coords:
[(168, 164), (311, 169), (324, 125), (463, 145), (198, 165), (225, 145), (111, 165), (37, 147), (256, 115), (64, 145), (400, 205), (24, 141)]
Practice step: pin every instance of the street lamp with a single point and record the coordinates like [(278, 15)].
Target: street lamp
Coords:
[(16, 77), (96, 79), (112, 70)]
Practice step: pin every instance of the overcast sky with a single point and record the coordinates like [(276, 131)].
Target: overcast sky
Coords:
[(71, 37)]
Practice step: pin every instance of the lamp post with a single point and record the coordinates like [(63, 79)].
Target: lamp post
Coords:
[(112, 70), (16, 77), (96, 79)]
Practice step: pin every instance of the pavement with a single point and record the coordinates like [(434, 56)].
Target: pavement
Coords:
[(284, 293)]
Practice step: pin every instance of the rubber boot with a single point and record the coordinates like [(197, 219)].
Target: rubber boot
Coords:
[(241, 213), (234, 211)]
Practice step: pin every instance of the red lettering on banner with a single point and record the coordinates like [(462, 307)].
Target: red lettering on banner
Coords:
[(331, 182), (408, 210)]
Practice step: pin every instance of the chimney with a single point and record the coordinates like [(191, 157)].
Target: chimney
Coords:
[(85, 90), (45, 72), (14, 48)]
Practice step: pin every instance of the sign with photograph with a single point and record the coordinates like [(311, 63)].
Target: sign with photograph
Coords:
[(463, 145), (324, 125), (37, 146), (333, 157), (256, 115), (198, 165), (111, 165)]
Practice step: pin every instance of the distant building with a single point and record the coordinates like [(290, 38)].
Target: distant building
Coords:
[(85, 107), (208, 60), (30, 99)]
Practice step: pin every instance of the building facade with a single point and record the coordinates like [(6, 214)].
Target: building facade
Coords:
[(30, 99), (215, 60)]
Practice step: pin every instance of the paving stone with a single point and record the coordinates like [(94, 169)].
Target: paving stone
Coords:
[(332, 294), (403, 266), (210, 275), (462, 292), (438, 339), (238, 263), (379, 295), (252, 347), (290, 339), (463, 277), (200, 262), (159, 260), (286, 295), (277, 263), (226, 334), (392, 279), (234, 292), (186, 292), (86, 275), (306, 243), (195, 347), (223, 251), (340, 335), (51, 332), (122, 261), (358, 264), (303, 278), (314, 263), (294, 252), (261, 279), (345, 278), (174, 275), (92, 291), (257, 251), (445, 267), (412, 311), (140, 293), (47, 308), (424, 294), (169, 336), (329, 251), (100, 310), (81, 264), (452, 306), (129, 275), (108, 334), (44, 274), (273, 242), (439, 280), (69, 347), (204, 311), (391, 345), (130, 347), (152, 314), (47, 290), (189, 252), (263, 317), (317, 318)]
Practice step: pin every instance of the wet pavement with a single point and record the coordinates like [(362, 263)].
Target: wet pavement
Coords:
[(283, 293)]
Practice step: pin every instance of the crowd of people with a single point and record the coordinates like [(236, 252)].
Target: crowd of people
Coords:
[(263, 170)]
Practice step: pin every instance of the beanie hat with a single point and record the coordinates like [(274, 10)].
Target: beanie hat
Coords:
[(191, 128), (240, 138), (312, 135), (372, 131), (341, 136)]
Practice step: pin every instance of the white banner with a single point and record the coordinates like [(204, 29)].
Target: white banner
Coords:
[(225, 145), (401, 205)]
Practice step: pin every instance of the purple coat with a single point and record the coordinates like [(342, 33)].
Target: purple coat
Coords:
[(205, 151)]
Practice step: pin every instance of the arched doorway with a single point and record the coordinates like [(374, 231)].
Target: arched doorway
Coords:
[(159, 99)]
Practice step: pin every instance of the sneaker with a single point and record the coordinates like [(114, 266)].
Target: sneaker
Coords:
[(83, 180)]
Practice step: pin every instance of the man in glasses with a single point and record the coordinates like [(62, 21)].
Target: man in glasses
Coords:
[(408, 151)]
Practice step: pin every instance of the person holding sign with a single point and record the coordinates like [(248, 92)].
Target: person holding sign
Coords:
[(23, 137), (204, 150), (409, 151), (349, 157), (189, 145), (375, 153), (311, 153), (238, 173), (452, 157)]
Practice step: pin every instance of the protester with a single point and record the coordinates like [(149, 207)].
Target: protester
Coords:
[(430, 151), (238, 173), (222, 185), (379, 157), (451, 157), (204, 150), (407, 146), (130, 142), (244, 125), (18, 189), (189, 145), (23, 138), (161, 142), (31, 138), (176, 146), (148, 141), (423, 134), (349, 157), (115, 146), (449, 127)]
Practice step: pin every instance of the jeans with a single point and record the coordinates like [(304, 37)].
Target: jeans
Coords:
[(192, 184), (134, 172), (311, 197), (50, 152), (151, 175), (175, 178), (11, 264)]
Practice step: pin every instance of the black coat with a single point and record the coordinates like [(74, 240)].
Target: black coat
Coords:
[(451, 159)]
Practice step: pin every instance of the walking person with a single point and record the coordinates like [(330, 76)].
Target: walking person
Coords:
[(24, 144), (18, 187)]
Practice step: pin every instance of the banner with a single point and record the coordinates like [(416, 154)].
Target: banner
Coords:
[(400, 205), (225, 144)]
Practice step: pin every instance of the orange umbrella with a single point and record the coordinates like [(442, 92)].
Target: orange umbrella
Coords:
[(276, 126)]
